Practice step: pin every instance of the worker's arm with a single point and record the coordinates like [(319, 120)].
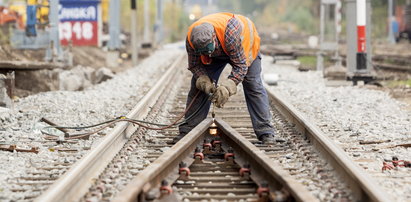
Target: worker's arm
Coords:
[(194, 62), (235, 51)]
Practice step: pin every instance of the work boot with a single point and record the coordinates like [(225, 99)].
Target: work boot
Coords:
[(177, 138), (270, 139)]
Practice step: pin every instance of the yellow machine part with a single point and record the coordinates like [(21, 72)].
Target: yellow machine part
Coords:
[(19, 6), (43, 11), (104, 10), (31, 2)]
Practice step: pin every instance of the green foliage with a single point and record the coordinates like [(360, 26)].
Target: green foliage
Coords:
[(245, 7), (308, 61), (301, 15), (379, 19), (394, 84), (176, 22), (5, 34), (302, 18), (297, 15), (311, 61)]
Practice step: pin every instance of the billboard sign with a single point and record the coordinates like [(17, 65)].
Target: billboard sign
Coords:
[(79, 22)]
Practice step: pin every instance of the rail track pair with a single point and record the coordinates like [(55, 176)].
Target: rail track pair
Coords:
[(231, 166)]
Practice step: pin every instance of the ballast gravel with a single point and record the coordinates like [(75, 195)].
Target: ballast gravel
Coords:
[(366, 123), (348, 115), (110, 99)]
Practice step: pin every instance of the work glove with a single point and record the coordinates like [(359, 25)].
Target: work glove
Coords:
[(226, 89), (205, 84)]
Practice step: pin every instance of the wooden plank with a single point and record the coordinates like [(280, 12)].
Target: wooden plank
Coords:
[(28, 65), (392, 66)]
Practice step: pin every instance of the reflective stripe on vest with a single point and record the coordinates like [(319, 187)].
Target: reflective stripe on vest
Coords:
[(250, 52)]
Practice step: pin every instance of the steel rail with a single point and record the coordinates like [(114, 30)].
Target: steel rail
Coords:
[(256, 158), (363, 186), (163, 166), (77, 180), (262, 166)]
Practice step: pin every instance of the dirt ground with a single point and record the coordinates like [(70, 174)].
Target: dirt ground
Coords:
[(46, 80), (88, 56), (389, 53), (400, 49), (401, 92)]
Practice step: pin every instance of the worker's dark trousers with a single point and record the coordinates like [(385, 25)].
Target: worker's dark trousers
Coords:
[(255, 96)]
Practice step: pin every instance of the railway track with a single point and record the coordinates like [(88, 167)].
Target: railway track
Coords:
[(51, 158), (220, 170), (380, 61), (308, 166)]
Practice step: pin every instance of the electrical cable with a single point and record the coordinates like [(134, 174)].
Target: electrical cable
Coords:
[(105, 124)]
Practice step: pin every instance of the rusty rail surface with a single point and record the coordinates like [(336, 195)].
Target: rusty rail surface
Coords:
[(76, 181), (363, 186), (262, 167)]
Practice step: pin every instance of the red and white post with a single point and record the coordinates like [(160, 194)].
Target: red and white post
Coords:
[(361, 34)]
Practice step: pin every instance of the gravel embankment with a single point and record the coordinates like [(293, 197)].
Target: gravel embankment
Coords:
[(93, 105), (350, 115)]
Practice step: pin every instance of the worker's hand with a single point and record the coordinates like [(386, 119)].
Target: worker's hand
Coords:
[(205, 84), (224, 91)]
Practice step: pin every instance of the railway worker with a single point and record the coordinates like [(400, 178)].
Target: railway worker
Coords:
[(213, 42)]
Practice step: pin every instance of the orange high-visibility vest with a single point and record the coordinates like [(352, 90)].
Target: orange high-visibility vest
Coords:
[(249, 37)]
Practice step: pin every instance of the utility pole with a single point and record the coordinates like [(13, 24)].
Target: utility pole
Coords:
[(134, 46), (54, 48), (391, 37), (338, 18), (320, 58), (114, 42), (159, 22), (361, 35), (146, 41)]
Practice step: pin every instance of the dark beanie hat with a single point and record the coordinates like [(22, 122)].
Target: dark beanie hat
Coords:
[(202, 35)]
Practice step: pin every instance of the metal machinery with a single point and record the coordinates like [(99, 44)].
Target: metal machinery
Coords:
[(158, 28), (31, 12), (30, 34), (8, 15), (49, 23), (401, 21), (330, 29), (358, 12)]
